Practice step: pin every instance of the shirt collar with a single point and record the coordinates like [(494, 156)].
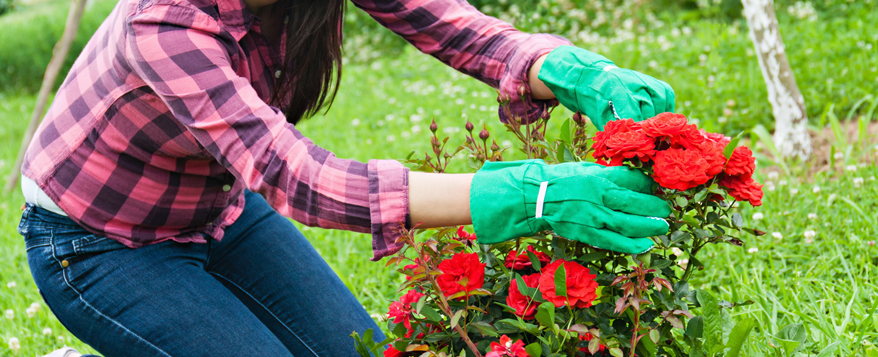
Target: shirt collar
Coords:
[(235, 17)]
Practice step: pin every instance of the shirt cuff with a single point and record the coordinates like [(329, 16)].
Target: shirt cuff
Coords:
[(514, 84), (388, 205)]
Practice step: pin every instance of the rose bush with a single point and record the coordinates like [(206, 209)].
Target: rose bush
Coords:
[(549, 296)]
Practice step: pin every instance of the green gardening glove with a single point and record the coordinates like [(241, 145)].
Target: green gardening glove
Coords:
[(587, 82), (605, 207)]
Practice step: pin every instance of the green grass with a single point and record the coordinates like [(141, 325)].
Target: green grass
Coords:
[(384, 110)]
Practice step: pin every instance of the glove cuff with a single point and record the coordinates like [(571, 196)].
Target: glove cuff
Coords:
[(497, 202)]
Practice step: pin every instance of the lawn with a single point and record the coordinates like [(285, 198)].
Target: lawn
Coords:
[(816, 266)]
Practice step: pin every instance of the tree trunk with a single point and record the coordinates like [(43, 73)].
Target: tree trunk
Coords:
[(77, 7), (788, 105)]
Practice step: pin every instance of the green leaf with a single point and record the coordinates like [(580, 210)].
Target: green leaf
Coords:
[(590, 257), (546, 314), (456, 317), (484, 328), (420, 304), (695, 327), (713, 324), (738, 336), (534, 261), (616, 352), (568, 156), (523, 288), (700, 196), (730, 147), (791, 337), (829, 350), (561, 281), (431, 314), (534, 350), (565, 132), (681, 201), (737, 220)]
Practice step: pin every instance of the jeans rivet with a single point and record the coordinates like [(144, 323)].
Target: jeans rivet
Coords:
[(65, 263)]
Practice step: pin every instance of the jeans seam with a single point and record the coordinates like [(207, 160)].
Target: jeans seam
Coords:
[(269, 312), (89, 306)]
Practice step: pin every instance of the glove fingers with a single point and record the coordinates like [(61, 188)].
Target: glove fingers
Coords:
[(641, 204), (624, 177), (604, 239), (584, 213)]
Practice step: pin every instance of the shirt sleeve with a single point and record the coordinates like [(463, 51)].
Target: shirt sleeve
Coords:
[(185, 57), (471, 42)]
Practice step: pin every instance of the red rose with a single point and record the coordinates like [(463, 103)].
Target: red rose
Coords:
[(517, 261), (664, 125), (719, 139), (588, 337), (690, 138), (680, 169), (462, 272), (741, 162), (524, 306), (580, 285), (392, 352), (628, 145), (714, 157), (743, 188), (507, 349), (401, 311), (463, 235), (610, 129)]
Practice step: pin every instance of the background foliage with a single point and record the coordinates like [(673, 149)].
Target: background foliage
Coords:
[(824, 279)]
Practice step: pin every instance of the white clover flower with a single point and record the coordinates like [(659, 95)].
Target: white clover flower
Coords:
[(838, 156), (11, 285), (677, 251), (816, 189), (752, 250), (405, 135), (31, 312), (858, 181), (702, 57), (14, 344), (870, 243), (391, 138), (851, 167), (368, 141), (809, 241), (355, 122), (416, 129), (810, 234), (36, 306), (777, 235), (812, 216), (687, 31), (758, 216), (782, 182), (770, 186), (47, 331), (773, 175), (794, 191), (10, 314)]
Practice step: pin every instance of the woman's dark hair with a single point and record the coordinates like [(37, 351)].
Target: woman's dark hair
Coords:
[(311, 70)]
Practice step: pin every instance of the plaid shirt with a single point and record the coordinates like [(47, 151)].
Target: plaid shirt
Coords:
[(162, 122)]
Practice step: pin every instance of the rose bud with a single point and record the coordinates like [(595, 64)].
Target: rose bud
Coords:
[(545, 115), (503, 98), (484, 133), (577, 118), (433, 126), (494, 146), (522, 91), (469, 126)]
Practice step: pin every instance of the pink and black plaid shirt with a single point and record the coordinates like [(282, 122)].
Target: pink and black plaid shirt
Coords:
[(162, 122)]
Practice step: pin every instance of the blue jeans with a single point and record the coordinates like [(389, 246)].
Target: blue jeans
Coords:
[(262, 291)]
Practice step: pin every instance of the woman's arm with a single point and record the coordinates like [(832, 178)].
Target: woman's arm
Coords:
[(538, 89), (439, 200)]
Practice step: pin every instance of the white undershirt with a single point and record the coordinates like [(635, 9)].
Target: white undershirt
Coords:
[(34, 195)]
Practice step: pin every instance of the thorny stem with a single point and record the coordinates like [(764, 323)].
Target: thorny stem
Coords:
[(443, 304)]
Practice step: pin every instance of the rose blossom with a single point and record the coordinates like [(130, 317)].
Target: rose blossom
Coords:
[(401, 311), (463, 235), (743, 189), (664, 125), (714, 157), (580, 285), (462, 272), (524, 306), (507, 349), (517, 261), (690, 138), (741, 162), (718, 139), (680, 169), (629, 145), (611, 129)]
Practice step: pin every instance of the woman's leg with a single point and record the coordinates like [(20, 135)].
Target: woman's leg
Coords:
[(274, 270), (151, 301)]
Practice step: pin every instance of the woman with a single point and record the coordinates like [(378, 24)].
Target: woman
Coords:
[(157, 184)]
